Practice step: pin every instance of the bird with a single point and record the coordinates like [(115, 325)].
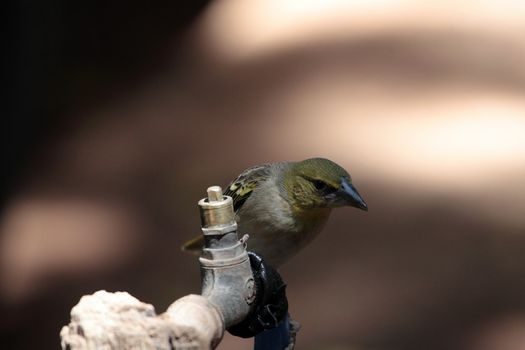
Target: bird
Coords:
[(283, 206)]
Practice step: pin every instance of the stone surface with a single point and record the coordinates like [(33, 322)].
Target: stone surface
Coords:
[(115, 321)]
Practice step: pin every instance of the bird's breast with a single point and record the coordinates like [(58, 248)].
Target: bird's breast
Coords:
[(278, 240)]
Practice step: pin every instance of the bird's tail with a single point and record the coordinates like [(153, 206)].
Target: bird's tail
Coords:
[(194, 245)]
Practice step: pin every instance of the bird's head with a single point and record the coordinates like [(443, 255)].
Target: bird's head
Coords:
[(321, 183)]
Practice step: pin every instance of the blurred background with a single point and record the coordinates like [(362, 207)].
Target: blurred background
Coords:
[(121, 114)]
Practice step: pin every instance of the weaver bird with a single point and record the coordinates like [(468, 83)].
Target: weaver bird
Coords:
[(283, 206)]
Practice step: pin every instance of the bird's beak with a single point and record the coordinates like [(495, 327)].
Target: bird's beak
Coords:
[(349, 193)]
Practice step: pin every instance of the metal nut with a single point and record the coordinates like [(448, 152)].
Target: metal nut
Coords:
[(250, 291)]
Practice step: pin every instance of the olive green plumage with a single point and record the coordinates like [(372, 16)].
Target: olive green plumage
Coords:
[(283, 206)]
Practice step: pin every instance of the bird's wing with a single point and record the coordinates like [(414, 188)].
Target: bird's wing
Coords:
[(242, 187), (194, 245)]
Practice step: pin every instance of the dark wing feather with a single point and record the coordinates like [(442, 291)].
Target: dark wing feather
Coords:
[(242, 187)]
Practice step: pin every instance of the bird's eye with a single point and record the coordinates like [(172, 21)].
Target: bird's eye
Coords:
[(319, 185)]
